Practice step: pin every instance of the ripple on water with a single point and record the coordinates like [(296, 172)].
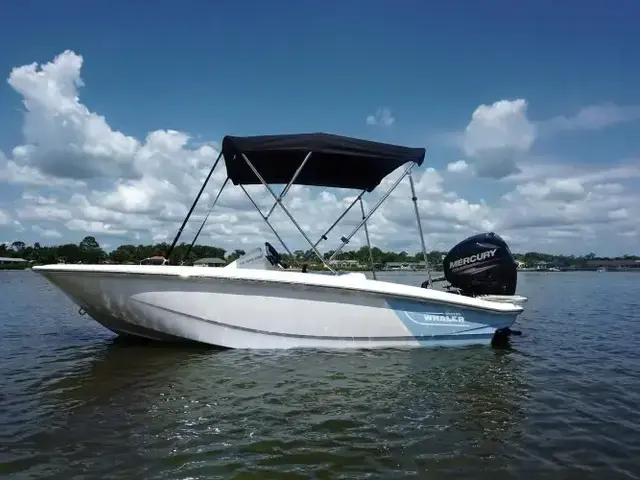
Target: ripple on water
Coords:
[(562, 403)]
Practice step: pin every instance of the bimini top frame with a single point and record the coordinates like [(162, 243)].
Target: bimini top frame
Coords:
[(313, 159)]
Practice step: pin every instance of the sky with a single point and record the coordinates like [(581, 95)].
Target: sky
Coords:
[(112, 113)]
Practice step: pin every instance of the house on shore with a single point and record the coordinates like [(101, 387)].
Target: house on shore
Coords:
[(11, 263), (404, 266), (345, 263), (209, 262)]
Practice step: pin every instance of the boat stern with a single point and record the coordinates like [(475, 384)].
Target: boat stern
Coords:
[(450, 319)]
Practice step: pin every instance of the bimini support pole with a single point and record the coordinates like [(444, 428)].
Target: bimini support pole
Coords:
[(280, 198), (293, 179), (366, 233), (205, 219), (195, 202), (346, 239), (267, 221), (324, 235), (286, 211), (424, 249)]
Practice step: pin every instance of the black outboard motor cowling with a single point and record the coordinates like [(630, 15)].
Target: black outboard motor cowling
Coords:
[(482, 265)]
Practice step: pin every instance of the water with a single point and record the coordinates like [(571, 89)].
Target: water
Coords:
[(562, 403)]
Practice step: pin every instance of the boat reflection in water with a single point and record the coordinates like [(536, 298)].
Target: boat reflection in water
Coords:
[(149, 409)]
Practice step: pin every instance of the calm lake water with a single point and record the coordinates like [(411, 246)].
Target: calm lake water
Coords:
[(562, 403)]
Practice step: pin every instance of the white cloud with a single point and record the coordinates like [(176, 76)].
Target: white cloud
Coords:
[(583, 209), (458, 166), (48, 233), (502, 125), (563, 189), (79, 176), (11, 172), (63, 138), (497, 135), (381, 117), (593, 117), (499, 138), (4, 218)]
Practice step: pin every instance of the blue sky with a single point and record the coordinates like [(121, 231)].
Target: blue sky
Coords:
[(216, 68)]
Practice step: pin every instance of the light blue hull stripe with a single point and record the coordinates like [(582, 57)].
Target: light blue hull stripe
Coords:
[(429, 338), (430, 323)]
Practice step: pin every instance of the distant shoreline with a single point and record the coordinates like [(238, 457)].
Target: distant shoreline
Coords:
[(90, 251), (13, 266)]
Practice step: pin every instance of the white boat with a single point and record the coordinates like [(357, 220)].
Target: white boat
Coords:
[(257, 302)]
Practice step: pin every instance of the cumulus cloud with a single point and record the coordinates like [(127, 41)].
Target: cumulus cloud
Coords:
[(502, 125), (382, 117), (499, 137), (496, 135), (63, 138), (584, 209), (79, 176), (458, 166), (561, 189)]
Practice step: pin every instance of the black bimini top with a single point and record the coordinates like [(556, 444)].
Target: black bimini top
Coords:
[(336, 161)]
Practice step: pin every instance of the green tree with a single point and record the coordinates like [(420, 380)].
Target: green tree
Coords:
[(125, 254), (70, 253), (88, 244), (18, 246), (90, 250)]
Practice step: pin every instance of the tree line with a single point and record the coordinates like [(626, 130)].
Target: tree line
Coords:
[(90, 251)]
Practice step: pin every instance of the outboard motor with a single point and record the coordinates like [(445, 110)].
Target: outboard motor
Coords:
[(482, 265)]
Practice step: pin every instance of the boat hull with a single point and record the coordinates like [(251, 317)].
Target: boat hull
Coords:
[(259, 313)]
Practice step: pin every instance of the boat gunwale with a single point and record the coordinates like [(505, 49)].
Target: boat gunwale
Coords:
[(496, 308)]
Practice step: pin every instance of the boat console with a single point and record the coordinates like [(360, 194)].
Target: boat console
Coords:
[(262, 258)]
